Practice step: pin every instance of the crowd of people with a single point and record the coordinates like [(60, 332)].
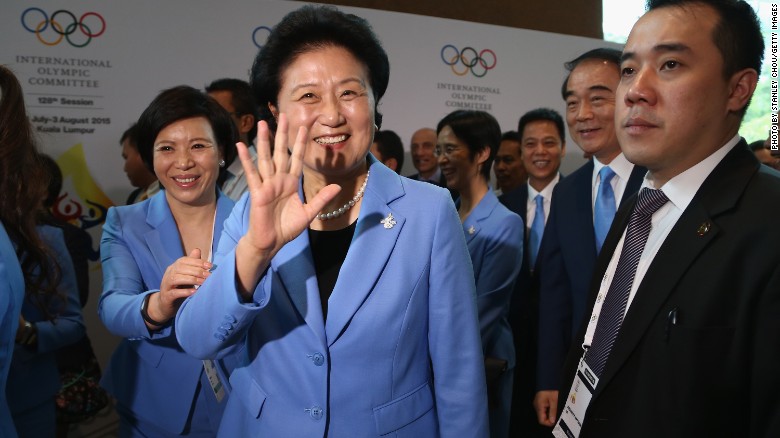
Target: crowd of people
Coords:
[(273, 274)]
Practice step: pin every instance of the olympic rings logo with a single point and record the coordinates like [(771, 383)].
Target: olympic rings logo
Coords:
[(263, 30), (38, 27), (468, 59)]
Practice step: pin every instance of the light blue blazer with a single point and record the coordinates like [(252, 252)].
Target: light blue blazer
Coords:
[(34, 378), (149, 374), (494, 236), (399, 352), (11, 296)]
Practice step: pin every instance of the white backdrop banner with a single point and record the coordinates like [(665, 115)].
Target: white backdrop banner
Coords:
[(89, 68)]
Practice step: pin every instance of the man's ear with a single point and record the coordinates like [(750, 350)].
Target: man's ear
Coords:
[(392, 163), (741, 87), (245, 123)]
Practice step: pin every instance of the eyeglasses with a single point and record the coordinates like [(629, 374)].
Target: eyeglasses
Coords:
[(448, 150)]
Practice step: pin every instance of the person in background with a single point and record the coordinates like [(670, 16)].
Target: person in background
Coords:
[(543, 145), (143, 179), (581, 212), (40, 310), (156, 253), (80, 397), (236, 97), (467, 143), (348, 286), (508, 167), (388, 149), (764, 154)]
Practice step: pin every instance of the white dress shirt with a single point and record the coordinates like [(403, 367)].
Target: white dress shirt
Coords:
[(530, 206)]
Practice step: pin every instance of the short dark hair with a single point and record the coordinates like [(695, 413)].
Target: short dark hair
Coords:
[(737, 34), (757, 145), (478, 130), (390, 146), (538, 114), (184, 102), (242, 99), (131, 135), (602, 54), (512, 136), (313, 27)]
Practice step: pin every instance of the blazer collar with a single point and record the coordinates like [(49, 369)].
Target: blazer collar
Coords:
[(163, 236), (473, 223), (719, 193), (369, 251)]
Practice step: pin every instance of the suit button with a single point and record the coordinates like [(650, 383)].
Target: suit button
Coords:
[(317, 358), (315, 412)]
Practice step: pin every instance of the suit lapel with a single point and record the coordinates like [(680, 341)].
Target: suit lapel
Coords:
[(583, 203), (369, 251), (295, 266), (163, 238), (719, 192), (633, 184)]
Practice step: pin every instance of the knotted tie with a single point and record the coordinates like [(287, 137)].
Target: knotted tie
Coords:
[(604, 209), (614, 308), (537, 229)]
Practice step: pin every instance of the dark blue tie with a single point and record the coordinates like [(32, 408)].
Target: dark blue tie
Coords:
[(604, 208), (614, 308), (537, 230)]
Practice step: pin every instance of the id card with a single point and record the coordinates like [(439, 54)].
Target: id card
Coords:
[(570, 420), (214, 381)]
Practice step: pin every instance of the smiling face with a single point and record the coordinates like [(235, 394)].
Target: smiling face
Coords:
[(674, 107), (422, 146), (457, 165), (590, 108), (186, 161), (327, 90), (542, 152)]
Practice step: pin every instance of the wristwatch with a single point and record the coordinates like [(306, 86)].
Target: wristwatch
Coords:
[(145, 314), (28, 334)]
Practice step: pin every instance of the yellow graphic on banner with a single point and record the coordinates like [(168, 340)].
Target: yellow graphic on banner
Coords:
[(81, 202)]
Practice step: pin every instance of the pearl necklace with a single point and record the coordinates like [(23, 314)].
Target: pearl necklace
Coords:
[(344, 208)]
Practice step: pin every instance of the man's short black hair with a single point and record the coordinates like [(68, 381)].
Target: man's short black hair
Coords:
[(390, 146), (538, 114), (241, 98)]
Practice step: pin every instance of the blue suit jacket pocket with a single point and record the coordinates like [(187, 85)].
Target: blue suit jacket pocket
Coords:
[(150, 353), (403, 410), (248, 391)]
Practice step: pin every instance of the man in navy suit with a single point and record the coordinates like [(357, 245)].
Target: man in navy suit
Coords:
[(542, 145), (686, 341), (571, 240)]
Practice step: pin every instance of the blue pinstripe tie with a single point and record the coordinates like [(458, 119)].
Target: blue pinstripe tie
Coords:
[(614, 308)]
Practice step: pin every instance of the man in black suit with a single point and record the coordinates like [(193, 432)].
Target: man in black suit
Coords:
[(508, 164), (541, 145), (580, 215), (689, 344)]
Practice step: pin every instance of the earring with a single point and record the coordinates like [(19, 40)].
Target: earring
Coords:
[(221, 163)]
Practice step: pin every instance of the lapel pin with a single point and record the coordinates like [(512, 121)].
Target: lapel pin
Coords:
[(472, 230), (388, 222), (704, 228)]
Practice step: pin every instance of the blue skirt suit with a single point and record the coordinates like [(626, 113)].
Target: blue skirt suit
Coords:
[(11, 297), (160, 390), (34, 378), (399, 352)]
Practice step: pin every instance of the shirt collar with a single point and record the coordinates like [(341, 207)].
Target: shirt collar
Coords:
[(620, 165), (546, 191), (682, 188)]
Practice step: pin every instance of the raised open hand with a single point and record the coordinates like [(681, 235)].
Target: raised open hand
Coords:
[(277, 214)]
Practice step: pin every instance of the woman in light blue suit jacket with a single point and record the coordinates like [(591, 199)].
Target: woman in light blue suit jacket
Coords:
[(467, 143), (11, 296), (348, 286), (154, 254), (34, 378)]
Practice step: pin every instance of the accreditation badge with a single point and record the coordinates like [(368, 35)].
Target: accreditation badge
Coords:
[(570, 420), (214, 381)]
